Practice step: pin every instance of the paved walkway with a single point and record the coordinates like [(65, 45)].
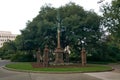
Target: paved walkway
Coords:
[(12, 75), (106, 75), (112, 75)]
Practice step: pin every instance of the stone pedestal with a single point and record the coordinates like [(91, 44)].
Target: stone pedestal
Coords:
[(59, 55), (83, 57)]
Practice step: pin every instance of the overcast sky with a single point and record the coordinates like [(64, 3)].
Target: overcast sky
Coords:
[(15, 13)]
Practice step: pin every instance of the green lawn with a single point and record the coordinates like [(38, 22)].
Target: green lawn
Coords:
[(89, 68)]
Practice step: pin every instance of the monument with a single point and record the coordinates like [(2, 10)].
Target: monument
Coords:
[(58, 51)]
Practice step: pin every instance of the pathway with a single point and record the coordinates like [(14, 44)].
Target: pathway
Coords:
[(112, 75), (12, 75)]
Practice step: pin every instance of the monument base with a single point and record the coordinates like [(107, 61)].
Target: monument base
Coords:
[(59, 56)]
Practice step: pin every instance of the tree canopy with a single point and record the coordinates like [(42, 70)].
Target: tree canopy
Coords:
[(76, 25), (111, 20)]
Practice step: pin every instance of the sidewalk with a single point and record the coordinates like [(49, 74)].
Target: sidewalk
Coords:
[(106, 75), (13, 75), (113, 75)]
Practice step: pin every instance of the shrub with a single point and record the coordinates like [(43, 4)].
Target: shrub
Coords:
[(22, 57)]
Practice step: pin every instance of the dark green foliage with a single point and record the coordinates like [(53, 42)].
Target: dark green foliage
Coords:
[(22, 57), (111, 21), (8, 50)]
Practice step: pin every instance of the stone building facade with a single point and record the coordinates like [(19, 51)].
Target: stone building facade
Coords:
[(6, 36)]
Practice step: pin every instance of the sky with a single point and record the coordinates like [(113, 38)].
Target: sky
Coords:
[(14, 14)]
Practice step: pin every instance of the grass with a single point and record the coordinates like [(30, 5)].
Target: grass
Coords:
[(88, 68)]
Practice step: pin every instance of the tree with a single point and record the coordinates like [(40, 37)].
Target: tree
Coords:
[(8, 49), (111, 20)]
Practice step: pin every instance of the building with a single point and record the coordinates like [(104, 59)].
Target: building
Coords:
[(6, 36)]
